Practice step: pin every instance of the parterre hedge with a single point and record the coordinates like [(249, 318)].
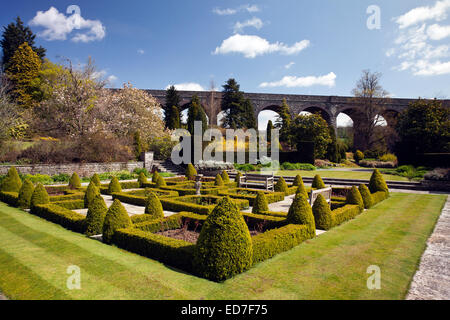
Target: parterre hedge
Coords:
[(180, 204), (71, 204), (177, 253), (59, 215), (270, 243), (234, 193), (10, 198)]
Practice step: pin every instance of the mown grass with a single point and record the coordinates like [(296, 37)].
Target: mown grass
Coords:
[(362, 175), (35, 255)]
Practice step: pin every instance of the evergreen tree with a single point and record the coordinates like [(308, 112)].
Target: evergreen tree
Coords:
[(239, 111), (196, 113), (23, 69), (332, 151), (172, 100), (14, 35), (283, 123), (269, 131), (173, 119)]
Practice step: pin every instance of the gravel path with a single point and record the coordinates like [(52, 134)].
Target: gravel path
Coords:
[(432, 280)]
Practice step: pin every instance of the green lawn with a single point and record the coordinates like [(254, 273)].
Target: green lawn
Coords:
[(35, 254), (363, 175)]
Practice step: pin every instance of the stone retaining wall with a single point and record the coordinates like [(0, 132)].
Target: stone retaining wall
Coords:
[(82, 169)]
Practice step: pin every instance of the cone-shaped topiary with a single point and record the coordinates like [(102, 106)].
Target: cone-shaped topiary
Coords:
[(160, 182), (142, 179), (302, 190), (116, 218), (300, 212), (224, 247), (190, 172), (155, 176), (25, 194), (322, 213), (40, 196), (225, 177), (154, 207), (238, 179), (218, 182), (114, 186), (12, 181), (377, 183), (260, 204), (96, 180), (74, 181), (96, 216), (354, 197), (298, 181), (318, 183), (366, 196), (91, 192), (281, 186)]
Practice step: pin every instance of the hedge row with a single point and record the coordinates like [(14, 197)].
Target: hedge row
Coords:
[(379, 196), (271, 197), (177, 253), (172, 222), (268, 222), (343, 214), (187, 190), (10, 198), (62, 216), (178, 205), (159, 192), (272, 242), (71, 204), (71, 196)]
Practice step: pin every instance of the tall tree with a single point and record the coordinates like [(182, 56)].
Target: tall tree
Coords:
[(423, 128), (172, 100), (196, 113), (283, 122), (312, 128), (23, 70), (174, 119), (14, 35), (269, 131), (371, 99), (239, 111), (9, 112)]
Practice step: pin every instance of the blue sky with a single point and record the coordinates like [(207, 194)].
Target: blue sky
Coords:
[(287, 46)]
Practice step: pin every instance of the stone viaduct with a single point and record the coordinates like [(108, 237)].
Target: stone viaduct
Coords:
[(328, 106)]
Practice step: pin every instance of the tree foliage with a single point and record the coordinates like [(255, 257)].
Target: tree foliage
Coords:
[(196, 113), (14, 35), (239, 111)]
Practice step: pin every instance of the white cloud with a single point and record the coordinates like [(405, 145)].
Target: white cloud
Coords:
[(437, 32), (58, 26), (254, 22), (224, 12), (140, 51), (437, 12), (188, 86), (289, 65), (298, 82), (252, 46), (417, 48), (230, 11), (112, 79)]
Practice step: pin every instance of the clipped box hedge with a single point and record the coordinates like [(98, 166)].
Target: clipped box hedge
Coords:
[(141, 200), (270, 243), (189, 189), (157, 225), (268, 222), (10, 198), (62, 216), (184, 203), (70, 204), (379, 196), (177, 253), (343, 214), (236, 193), (70, 196)]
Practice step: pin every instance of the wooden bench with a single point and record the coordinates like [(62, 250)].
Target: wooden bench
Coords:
[(326, 193), (257, 180)]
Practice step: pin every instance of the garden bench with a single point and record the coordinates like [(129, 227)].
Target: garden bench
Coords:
[(257, 180), (326, 193)]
